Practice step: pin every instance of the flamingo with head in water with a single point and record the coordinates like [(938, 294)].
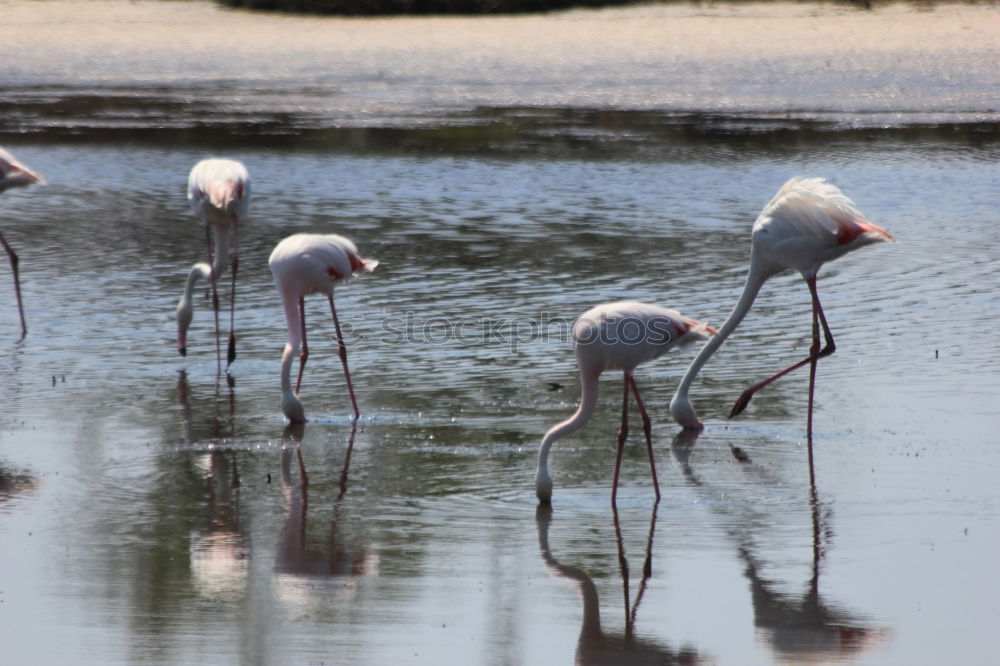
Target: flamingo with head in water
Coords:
[(15, 174), (219, 193), (617, 336), (807, 223), (304, 264)]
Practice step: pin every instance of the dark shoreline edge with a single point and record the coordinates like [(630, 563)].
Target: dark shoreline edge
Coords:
[(480, 7), (551, 131)]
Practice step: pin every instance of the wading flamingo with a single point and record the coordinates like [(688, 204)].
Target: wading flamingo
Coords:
[(219, 192), (304, 264), (15, 174), (617, 336), (807, 223)]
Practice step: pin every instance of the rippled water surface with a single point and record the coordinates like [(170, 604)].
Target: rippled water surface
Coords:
[(153, 512)]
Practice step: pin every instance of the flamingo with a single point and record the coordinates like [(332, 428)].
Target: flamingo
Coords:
[(15, 174), (807, 223), (617, 336), (304, 264), (219, 192)]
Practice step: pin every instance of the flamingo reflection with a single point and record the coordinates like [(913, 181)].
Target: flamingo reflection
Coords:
[(807, 629), (219, 548), (596, 646), (310, 571)]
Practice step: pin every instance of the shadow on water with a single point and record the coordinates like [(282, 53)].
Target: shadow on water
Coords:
[(798, 629), (596, 646)]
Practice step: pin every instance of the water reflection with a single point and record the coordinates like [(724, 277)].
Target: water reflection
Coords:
[(219, 547), (214, 421), (596, 646), (805, 629), (314, 570)]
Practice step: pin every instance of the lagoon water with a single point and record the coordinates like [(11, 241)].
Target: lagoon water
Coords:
[(509, 173)]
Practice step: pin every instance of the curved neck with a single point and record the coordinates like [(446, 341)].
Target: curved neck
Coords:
[(755, 279), (293, 320), (185, 307), (202, 271), (588, 401)]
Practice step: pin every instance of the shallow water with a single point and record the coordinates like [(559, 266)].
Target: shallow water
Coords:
[(152, 512)]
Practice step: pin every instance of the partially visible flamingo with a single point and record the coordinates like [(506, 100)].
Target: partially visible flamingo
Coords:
[(806, 224), (15, 174), (219, 192), (304, 264), (617, 336)]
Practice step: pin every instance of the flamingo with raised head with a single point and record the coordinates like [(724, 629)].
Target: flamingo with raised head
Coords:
[(15, 174), (807, 223), (617, 336), (219, 192), (304, 264)]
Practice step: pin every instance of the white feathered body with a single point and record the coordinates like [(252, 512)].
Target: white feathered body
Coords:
[(807, 223), (625, 334), (219, 191), (304, 264)]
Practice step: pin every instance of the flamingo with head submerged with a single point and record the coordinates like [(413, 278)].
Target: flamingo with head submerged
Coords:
[(219, 192), (617, 336), (304, 264), (807, 223)]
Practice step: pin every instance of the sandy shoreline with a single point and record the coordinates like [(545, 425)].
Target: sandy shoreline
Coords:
[(715, 58), (776, 28)]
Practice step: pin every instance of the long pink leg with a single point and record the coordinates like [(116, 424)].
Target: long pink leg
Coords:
[(342, 352), (231, 351), (622, 434), (813, 350), (304, 352), (17, 282), (744, 399), (215, 297), (648, 429)]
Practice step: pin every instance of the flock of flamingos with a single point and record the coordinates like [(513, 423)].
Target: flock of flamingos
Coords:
[(807, 223)]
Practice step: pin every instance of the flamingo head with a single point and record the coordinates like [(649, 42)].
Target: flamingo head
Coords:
[(683, 412), (543, 485), (292, 407), (184, 315)]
